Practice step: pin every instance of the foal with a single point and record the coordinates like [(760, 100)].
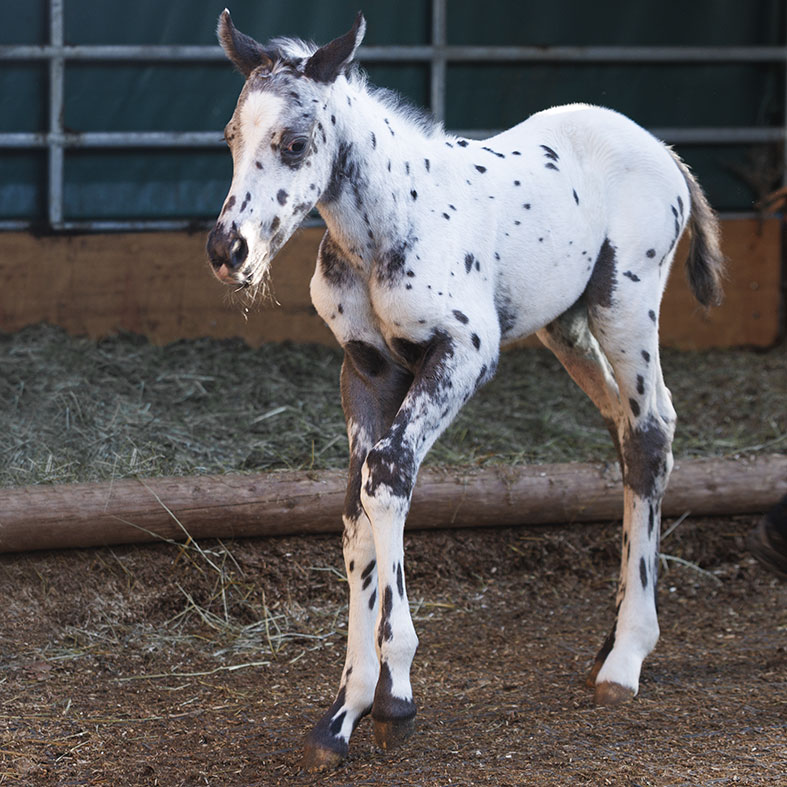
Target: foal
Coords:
[(438, 250)]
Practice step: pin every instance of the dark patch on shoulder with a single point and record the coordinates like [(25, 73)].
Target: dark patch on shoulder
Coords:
[(334, 267), (630, 275), (650, 253), (634, 405), (646, 356), (550, 165), (652, 315), (474, 338), (461, 316), (640, 384), (480, 168), (391, 263)]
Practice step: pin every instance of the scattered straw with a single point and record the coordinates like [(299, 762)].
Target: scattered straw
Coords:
[(77, 410)]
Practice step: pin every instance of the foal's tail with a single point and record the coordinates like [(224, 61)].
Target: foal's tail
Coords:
[(705, 263)]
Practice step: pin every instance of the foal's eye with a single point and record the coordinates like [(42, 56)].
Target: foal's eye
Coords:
[(295, 146)]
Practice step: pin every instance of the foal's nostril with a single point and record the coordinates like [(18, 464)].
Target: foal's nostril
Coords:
[(239, 250), (227, 247)]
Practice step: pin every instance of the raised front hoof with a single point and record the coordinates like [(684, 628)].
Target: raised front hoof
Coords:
[(318, 757), (390, 733), (610, 694)]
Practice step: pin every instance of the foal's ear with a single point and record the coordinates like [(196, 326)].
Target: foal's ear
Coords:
[(245, 53), (330, 60)]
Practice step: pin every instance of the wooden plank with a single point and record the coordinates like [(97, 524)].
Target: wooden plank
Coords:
[(750, 314), (274, 504), (159, 285)]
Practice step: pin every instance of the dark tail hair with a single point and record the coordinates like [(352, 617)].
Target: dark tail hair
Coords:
[(705, 263)]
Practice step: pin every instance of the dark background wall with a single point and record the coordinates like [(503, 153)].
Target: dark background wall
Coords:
[(200, 97)]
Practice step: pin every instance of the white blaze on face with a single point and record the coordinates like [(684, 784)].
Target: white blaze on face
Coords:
[(259, 115), (258, 119)]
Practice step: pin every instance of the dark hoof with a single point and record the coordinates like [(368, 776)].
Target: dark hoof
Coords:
[(768, 545), (609, 694), (317, 757), (392, 733)]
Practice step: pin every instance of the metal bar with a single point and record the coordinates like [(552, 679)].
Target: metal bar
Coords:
[(751, 135), (213, 139), (683, 136), (115, 139), (784, 107), (453, 53), (438, 62), (56, 105)]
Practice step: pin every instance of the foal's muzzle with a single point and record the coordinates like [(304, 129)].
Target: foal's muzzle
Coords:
[(227, 250)]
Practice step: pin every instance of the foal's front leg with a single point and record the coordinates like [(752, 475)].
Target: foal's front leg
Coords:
[(373, 388), (447, 373)]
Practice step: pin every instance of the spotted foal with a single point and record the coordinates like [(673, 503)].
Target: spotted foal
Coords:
[(438, 250)]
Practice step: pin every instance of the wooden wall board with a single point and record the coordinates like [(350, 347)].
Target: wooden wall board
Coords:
[(160, 285)]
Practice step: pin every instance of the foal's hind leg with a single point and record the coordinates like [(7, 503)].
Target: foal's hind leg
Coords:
[(570, 339), (626, 328)]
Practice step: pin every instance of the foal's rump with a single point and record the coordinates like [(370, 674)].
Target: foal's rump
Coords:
[(636, 192)]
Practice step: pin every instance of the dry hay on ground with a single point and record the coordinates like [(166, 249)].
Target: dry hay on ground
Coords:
[(77, 410)]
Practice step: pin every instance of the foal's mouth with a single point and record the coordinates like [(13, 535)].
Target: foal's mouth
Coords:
[(233, 278)]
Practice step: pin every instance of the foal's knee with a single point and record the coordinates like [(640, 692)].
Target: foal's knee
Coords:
[(388, 477)]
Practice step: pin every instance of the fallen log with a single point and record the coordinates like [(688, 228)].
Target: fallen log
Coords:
[(284, 503)]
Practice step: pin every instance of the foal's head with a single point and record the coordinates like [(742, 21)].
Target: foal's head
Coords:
[(279, 139)]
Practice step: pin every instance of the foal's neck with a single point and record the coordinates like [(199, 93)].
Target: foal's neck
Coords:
[(382, 155)]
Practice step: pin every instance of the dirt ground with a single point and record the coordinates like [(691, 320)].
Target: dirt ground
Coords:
[(159, 665)]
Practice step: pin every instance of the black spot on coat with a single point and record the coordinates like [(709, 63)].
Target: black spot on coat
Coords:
[(601, 286), (469, 260)]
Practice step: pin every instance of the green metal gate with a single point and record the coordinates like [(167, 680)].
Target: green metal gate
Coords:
[(110, 113)]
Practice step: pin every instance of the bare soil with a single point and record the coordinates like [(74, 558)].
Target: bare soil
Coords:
[(173, 666)]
